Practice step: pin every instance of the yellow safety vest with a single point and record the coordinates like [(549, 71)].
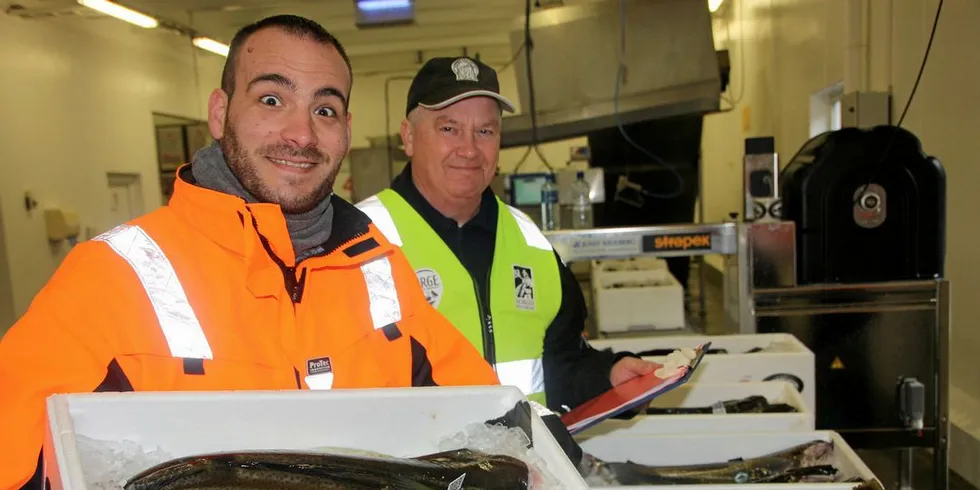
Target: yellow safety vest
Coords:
[(525, 286)]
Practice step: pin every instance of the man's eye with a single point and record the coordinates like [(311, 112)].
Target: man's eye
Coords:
[(269, 100), (326, 111)]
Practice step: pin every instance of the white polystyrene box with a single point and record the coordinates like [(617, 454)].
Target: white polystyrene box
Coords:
[(638, 268), (676, 449), (784, 358), (705, 395), (402, 422), (654, 304)]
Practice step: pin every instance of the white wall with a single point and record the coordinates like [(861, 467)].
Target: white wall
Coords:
[(794, 48), (79, 97)]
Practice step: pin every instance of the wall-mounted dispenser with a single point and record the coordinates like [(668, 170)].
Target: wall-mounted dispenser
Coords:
[(61, 224)]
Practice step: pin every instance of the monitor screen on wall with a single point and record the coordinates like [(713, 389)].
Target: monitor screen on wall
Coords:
[(526, 189)]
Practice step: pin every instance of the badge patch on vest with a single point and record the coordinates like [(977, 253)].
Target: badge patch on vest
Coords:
[(431, 285), (318, 366), (524, 288)]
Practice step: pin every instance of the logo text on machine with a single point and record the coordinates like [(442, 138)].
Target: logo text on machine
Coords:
[(688, 241), (524, 288)]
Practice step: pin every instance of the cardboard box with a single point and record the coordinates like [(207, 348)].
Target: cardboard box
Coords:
[(783, 357), (670, 450), (404, 422), (705, 395)]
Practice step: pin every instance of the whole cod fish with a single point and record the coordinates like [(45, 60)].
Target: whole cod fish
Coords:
[(749, 404), (810, 461), (284, 470)]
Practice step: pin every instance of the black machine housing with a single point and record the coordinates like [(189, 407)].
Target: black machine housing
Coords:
[(869, 209), (869, 206)]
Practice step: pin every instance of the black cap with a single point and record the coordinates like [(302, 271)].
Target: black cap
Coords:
[(445, 81)]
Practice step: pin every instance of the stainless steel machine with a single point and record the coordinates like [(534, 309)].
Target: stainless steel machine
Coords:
[(881, 342)]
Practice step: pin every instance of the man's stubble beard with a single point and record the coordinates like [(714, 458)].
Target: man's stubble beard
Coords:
[(244, 168)]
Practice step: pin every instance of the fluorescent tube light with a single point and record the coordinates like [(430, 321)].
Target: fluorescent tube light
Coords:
[(375, 5), (211, 45), (120, 12)]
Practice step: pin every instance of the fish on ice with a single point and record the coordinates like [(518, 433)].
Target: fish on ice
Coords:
[(812, 461), (291, 470)]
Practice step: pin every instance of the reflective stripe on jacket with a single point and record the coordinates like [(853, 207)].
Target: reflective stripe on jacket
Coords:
[(205, 294), (525, 291)]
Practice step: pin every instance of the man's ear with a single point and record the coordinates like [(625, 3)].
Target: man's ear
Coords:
[(408, 135), (217, 113)]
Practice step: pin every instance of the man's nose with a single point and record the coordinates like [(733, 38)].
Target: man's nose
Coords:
[(299, 130), (467, 146)]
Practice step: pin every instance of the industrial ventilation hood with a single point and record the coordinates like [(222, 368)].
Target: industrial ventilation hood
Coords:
[(672, 67)]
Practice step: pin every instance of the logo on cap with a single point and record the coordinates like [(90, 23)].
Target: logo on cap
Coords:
[(466, 69)]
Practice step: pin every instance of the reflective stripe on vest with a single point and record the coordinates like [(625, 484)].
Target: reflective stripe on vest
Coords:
[(375, 209), (385, 308), (532, 235), (159, 280), (526, 374)]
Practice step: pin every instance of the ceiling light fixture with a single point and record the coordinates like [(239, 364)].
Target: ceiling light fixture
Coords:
[(714, 5), (208, 44), (381, 13), (374, 5), (121, 13)]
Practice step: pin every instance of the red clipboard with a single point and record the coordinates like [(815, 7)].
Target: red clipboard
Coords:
[(629, 395)]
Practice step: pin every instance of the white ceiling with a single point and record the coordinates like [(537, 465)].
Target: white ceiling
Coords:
[(474, 25)]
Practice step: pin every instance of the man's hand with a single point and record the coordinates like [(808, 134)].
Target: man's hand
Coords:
[(628, 368)]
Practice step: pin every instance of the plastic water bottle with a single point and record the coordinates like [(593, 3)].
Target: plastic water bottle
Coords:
[(581, 203), (549, 204)]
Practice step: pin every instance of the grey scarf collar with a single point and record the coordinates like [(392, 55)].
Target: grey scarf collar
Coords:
[(306, 230)]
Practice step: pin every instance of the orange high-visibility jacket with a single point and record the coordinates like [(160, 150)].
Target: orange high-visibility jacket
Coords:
[(204, 294)]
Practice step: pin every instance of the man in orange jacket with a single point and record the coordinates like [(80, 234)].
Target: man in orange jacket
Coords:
[(254, 276)]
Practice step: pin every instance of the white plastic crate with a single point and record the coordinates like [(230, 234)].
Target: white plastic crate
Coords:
[(670, 450), (402, 422), (705, 395), (643, 302), (784, 358)]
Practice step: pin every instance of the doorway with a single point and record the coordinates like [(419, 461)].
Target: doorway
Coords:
[(125, 197), (825, 109), (178, 139)]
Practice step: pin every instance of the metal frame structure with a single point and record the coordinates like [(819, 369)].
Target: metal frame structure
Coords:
[(611, 243)]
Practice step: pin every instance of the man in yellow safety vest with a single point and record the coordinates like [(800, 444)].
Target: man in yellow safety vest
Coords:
[(483, 264)]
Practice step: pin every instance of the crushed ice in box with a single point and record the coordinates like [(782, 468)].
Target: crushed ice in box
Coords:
[(509, 441), (106, 465)]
